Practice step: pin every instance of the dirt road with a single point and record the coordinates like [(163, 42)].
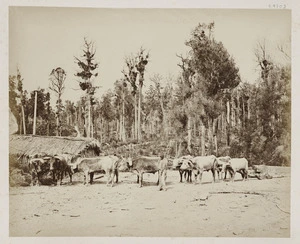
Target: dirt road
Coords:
[(254, 208)]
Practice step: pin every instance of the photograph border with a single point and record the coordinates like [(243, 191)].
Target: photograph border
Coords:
[(295, 115)]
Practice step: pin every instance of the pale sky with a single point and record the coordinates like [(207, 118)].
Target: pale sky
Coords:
[(41, 39)]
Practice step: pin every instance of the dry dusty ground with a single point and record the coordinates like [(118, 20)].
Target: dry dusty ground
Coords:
[(127, 210)]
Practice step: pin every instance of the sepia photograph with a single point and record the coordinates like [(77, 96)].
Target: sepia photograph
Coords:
[(149, 122)]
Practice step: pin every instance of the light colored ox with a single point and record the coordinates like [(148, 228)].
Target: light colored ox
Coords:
[(108, 164), (200, 164), (237, 165), (220, 162)]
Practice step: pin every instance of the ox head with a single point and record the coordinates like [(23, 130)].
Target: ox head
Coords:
[(46, 163), (126, 164), (35, 164), (225, 163), (74, 168), (119, 161), (187, 164), (177, 162), (222, 161), (122, 164), (51, 161), (74, 162)]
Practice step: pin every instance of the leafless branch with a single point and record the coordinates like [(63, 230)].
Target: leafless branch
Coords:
[(282, 50)]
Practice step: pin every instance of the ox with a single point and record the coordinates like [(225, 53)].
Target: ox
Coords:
[(220, 162), (145, 164), (200, 164), (36, 167), (237, 165), (177, 162), (60, 166), (89, 166)]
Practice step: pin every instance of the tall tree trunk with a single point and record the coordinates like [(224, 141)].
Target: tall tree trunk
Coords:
[(228, 135), (243, 112), (179, 151), (76, 118), (123, 118), (228, 123), (232, 107), (135, 118), (89, 118), (132, 131), (195, 128), (48, 128), (210, 135), (249, 108), (223, 122), (23, 119), (34, 115), (189, 130), (95, 126), (150, 126), (120, 128), (92, 129), (79, 118), (58, 133), (139, 114), (219, 127), (77, 131), (164, 130), (215, 132), (228, 111), (216, 144), (108, 130), (20, 124), (101, 131), (238, 111), (57, 125), (202, 138)]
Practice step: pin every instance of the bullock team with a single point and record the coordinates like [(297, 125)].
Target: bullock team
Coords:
[(66, 164), (188, 165)]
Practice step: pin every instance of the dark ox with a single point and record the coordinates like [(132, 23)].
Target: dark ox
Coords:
[(60, 166), (37, 166), (200, 164), (144, 164), (237, 165), (177, 162), (89, 166)]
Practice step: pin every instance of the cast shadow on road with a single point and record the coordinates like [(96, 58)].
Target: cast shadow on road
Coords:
[(102, 181)]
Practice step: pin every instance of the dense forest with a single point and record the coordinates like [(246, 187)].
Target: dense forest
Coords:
[(206, 110)]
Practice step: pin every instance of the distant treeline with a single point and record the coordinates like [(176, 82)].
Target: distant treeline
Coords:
[(208, 109)]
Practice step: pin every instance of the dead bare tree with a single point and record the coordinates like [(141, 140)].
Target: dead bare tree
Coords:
[(57, 84), (142, 61), (131, 76), (285, 49), (136, 65)]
